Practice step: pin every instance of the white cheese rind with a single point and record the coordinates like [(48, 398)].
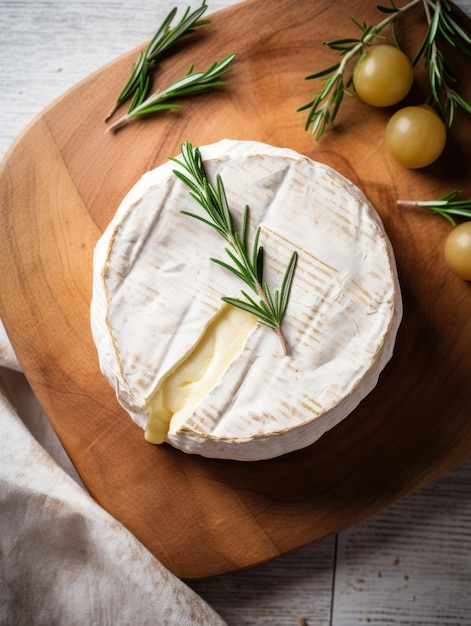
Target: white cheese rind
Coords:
[(155, 291)]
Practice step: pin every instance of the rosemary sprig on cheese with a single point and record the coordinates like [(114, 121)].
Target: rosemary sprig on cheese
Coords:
[(190, 84), (246, 261), (138, 83)]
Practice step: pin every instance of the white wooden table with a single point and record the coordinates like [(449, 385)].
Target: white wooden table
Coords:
[(410, 564)]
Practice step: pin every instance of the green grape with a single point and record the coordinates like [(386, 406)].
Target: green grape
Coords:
[(383, 76), (457, 250), (415, 136)]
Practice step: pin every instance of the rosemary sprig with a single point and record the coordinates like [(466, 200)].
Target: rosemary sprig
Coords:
[(324, 106), (441, 22), (246, 261), (138, 84), (446, 206), (326, 102), (190, 84)]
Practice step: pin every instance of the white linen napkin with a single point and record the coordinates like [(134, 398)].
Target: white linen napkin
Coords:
[(63, 559)]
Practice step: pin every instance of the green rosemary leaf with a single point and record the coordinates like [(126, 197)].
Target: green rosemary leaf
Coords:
[(240, 247), (319, 124), (228, 267), (242, 267), (259, 264), (131, 86), (340, 48), (156, 108), (447, 36), (166, 37), (245, 227), (248, 268), (420, 51), (336, 42), (366, 35), (447, 217), (452, 195), (461, 212), (182, 86), (194, 82), (324, 72), (337, 102), (395, 35), (255, 247), (249, 299), (135, 101), (202, 219), (461, 102), (159, 37), (242, 305), (265, 316), (286, 284), (140, 92), (383, 9), (433, 28), (312, 105), (277, 304), (462, 37), (255, 310), (225, 213), (185, 179), (213, 213), (360, 25), (269, 301), (330, 85)]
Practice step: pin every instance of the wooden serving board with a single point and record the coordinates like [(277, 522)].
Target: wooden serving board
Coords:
[(60, 185)]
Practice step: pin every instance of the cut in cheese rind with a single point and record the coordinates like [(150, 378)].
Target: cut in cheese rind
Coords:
[(156, 291)]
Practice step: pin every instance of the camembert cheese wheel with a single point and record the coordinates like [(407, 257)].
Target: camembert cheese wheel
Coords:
[(207, 377)]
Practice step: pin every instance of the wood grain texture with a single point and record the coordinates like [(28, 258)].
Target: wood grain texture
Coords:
[(62, 181)]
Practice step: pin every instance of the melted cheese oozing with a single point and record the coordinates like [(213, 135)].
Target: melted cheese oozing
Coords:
[(180, 391)]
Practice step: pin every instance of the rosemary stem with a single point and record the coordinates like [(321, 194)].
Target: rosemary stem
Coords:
[(111, 112), (422, 203), (378, 28), (428, 15), (284, 344), (408, 203), (135, 112), (118, 124), (427, 10)]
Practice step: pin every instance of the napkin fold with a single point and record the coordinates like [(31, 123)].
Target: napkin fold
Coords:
[(64, 559)]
